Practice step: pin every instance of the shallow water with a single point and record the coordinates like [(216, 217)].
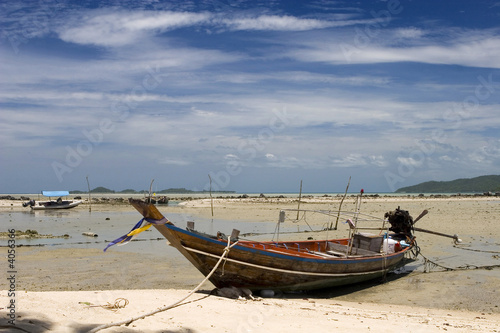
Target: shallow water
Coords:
[(109, 226)]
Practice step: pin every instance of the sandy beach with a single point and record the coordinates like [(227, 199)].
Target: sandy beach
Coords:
[(82, 311), (64, 289)]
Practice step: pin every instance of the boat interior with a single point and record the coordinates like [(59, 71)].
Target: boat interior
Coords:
[(362, 245)]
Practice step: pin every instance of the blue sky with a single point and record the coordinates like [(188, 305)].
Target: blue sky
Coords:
[(257, 94)]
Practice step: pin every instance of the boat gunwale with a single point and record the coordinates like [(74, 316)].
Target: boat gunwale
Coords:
[(283, 255)]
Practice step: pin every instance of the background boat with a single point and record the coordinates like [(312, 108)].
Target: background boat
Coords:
[(59, 203)]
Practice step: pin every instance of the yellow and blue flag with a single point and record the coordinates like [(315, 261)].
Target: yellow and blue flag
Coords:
[(142, 225)]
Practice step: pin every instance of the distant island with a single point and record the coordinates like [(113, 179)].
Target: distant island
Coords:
[(181, 190), (479, 184)]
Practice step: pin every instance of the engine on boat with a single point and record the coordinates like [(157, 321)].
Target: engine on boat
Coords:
[(401, 221), (29, 203)]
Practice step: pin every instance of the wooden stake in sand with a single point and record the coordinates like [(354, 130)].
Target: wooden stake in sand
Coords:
[(340, 206), (211, 199), (90, 201), (151, 189), (300, 196)]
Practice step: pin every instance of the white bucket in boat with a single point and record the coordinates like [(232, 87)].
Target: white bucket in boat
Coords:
[(390, 246)]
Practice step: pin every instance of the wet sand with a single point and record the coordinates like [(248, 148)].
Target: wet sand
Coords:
[(475, 220)]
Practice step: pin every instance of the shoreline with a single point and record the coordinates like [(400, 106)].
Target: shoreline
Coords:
[(104, 203)]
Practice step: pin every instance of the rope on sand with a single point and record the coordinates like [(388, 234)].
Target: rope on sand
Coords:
[(128, 321), (118, 304), (429, 265), (475, 250)]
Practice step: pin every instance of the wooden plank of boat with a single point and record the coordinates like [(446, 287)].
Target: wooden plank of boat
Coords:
[(286, 266)]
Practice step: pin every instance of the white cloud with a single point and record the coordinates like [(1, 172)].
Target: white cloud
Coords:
[(281, 23), (231, 157), (124, 27), (466, 48), (379, 160), (171, 161), (271, 157), (302, 77), (409, 161), (202, 113), (409, 33), (356, 159), (120, 28)]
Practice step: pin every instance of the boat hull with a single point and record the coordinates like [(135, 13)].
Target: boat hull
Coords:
[(248, 266), (55, 205)]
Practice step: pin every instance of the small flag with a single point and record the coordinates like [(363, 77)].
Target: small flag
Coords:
[(142, 225)]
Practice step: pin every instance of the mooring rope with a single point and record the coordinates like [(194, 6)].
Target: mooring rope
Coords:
[(429, 265), (475, 250), (128, 321)]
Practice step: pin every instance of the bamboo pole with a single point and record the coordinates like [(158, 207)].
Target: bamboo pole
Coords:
[(340, 206), (356, 214), (300, 196), (151, 190), (211, 198), (90, 201)]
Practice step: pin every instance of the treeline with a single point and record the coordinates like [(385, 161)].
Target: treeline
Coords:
[(180, 190), (479, 184)]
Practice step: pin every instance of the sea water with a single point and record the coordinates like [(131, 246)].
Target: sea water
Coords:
[(68, 228)]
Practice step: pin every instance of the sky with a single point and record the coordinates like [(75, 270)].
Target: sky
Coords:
[(254, 95)]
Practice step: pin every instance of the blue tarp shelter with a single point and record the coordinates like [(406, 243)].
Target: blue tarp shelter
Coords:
[(55, 193)]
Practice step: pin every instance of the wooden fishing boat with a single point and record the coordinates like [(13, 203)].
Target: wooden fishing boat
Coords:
[(59, 203), (284, 266)]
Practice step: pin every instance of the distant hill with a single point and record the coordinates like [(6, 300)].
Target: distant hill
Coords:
[(130, 191), (182, 190), (102, 190), (175, 190), (99, 189), (478, 184)]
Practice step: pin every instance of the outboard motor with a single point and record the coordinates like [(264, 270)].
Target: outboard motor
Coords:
[(401, 221), (30, 203)]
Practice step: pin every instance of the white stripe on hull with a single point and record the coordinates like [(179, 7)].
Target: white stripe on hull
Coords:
[(286, 270)]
